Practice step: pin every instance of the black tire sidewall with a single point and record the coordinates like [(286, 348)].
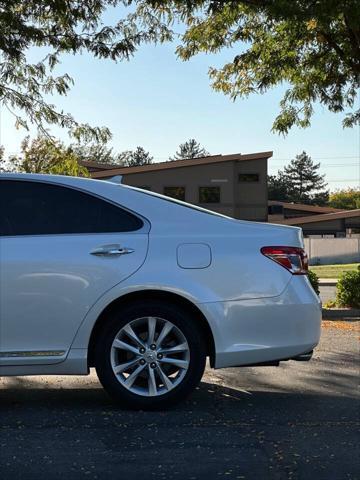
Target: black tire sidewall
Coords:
[(183, 320)]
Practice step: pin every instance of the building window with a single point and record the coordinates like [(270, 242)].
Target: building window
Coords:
[(275, 210), (209, 194), (249, 177), (175, 192)]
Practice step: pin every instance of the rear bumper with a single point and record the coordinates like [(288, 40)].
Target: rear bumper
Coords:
[(304, 357), (259, 331)]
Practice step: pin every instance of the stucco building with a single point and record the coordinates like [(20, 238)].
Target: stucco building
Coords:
[(235, 185)]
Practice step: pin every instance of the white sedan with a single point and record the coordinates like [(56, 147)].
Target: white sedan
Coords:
[(143, 288)]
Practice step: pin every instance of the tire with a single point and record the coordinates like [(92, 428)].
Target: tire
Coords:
[(163, 372)]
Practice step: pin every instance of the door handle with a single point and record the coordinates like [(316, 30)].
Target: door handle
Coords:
[(111, 251)]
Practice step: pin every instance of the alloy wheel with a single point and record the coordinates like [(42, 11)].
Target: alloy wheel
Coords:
[(150, 356)]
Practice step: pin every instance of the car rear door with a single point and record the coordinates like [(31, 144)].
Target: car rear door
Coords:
[(61, 249)]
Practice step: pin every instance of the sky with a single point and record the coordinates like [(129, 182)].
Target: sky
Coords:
[(157, 101)]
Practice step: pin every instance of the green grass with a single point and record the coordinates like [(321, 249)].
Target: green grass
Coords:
[(333, 271)]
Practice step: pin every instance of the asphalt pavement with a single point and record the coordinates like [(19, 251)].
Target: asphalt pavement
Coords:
[(299, 421)]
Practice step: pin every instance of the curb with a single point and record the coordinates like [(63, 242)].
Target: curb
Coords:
[(341, 314), (327, 282)]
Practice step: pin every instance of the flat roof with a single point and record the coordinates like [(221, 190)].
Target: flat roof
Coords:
[(102, 166), (322, 218), (179, 163), (303, 206)]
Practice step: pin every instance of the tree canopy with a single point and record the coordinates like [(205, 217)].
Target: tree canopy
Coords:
[(100, 152), (135, 158), (97, 152), (189, 149), (312, 47), (43, 155), (57, 27), (299, 182), (347, 199)]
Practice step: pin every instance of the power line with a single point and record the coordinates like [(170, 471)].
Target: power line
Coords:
[(321, 158), (329, 165), (344, 180)]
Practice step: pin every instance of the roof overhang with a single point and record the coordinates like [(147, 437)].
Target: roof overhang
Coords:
[(304, 207), (238, 157), (322, 218)]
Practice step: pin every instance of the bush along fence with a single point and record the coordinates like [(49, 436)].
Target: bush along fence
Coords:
[(347, 302), (314, 280), (348, 289), (347, 295)]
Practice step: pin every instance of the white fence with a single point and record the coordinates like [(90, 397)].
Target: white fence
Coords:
[(327, 251)]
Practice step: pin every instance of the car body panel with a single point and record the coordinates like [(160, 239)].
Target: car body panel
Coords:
[(257, 311), (47, 299)]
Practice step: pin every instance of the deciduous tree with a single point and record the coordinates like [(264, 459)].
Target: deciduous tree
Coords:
[(313, 47), (59, 27), (347, 199), (44, 155)]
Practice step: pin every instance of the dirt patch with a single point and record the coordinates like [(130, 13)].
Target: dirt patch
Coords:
[(341, 325)]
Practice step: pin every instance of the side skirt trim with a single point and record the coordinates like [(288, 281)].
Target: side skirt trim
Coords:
[(33, 353)]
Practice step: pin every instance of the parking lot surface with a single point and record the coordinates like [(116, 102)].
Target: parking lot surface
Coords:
[(296, 421)]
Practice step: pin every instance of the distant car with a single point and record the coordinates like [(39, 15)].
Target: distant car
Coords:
[(143, 288)]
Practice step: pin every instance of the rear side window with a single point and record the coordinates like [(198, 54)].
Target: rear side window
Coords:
[(34, 208)]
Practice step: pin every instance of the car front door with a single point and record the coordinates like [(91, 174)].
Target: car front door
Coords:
[(61, 249)]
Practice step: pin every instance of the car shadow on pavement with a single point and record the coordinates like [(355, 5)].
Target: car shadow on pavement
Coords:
[(326, 394), (220, 431)]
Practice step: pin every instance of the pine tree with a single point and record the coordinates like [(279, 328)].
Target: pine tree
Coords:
[(299, 182), (134, 158), (189, 149), (97, 152), (305, 183), (279, 188)]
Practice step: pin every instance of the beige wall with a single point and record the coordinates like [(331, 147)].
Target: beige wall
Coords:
[(327, 251), (246, 201), (251, 199)]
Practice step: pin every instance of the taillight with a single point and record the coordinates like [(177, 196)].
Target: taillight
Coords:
[(293, 259)]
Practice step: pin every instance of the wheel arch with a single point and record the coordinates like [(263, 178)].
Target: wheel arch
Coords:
[(144, 295)]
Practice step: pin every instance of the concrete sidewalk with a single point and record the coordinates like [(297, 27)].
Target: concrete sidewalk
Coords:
[(328, 282), (327, 291)]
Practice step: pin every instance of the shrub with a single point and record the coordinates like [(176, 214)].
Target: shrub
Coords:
[(314, 280), (348, 289), (330, 304)]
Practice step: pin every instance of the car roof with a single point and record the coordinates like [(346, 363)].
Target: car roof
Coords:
[(156, 207)]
